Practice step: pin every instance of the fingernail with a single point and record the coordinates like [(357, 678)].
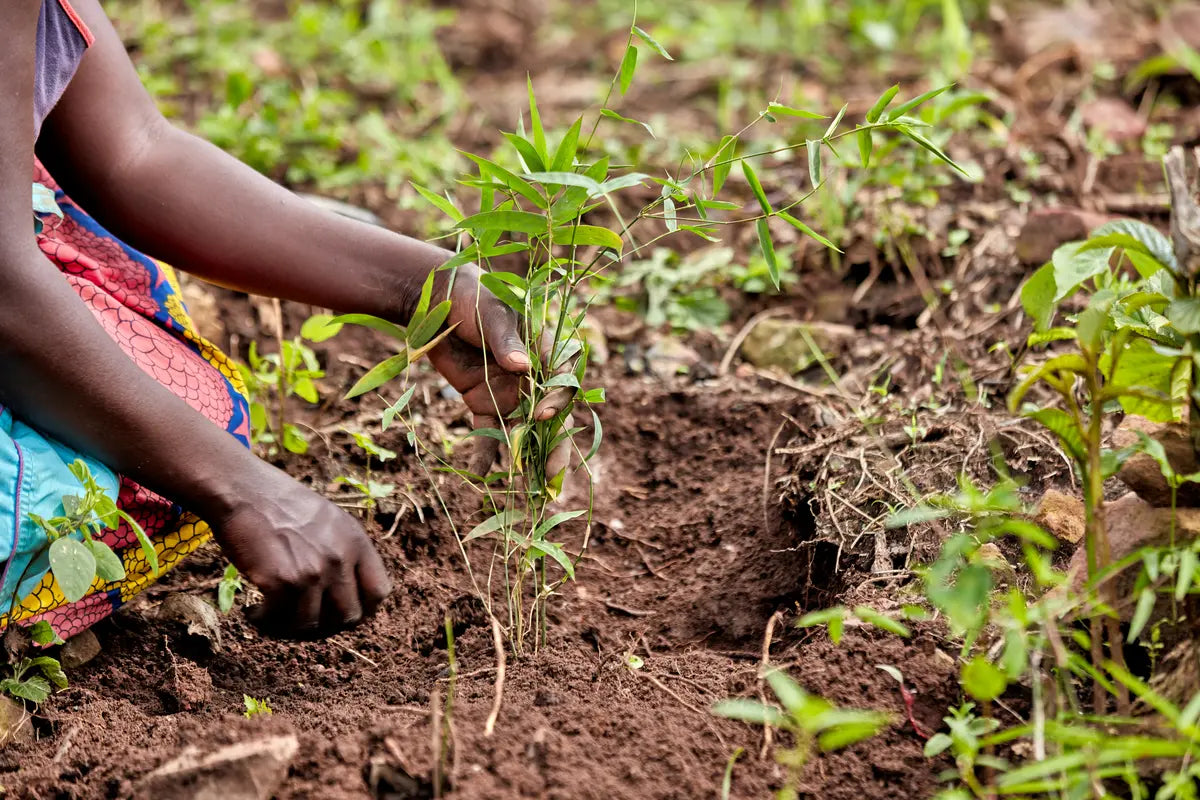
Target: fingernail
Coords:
[(520, 360)]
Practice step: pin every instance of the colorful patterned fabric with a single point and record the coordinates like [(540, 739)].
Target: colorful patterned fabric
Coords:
[(137, 302)]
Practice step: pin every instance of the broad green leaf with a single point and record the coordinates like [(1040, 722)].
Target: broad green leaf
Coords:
[(787, 111), (768, 250), (1074, 264), (1063, 426), (379, 375), (1184, 314), (41, 632), (293, 441), (628, 68), (790, 693), (1038, 297), (587, 235), (508, 220), (937, 744), (882, 103), (505, 519), (983, 680), (565, 379), (35, 689), (749, 711), (1144, 368), (108, 564), (389, 414), (653, 43), (848, 733), (1153, 242), (756, 187), (320, 327), (1068, 362), (74, 567)]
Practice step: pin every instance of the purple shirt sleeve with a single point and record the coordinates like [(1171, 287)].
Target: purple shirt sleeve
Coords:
[(62, 39)]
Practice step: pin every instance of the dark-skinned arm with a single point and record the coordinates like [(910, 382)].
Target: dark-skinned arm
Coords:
[(61, 372), (186, 202)]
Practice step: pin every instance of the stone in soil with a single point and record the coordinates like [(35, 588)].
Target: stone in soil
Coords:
[(79, 650), (1062, 515), (1142, 474), (251, 770), (780, 343)]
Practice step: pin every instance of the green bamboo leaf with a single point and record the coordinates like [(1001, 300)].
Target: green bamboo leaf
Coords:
[(510, 180), (505, 519), (723, 160), (628, 68), (597, 438), (884, 623), (535, 122), (653, 43), (610, 114), (564, 379), (374, 323), (768, 250), (865, 146), (807, 231), (379, 375), (882, 103), (787, 111), (567, 179), (813, 147), (74, 567), (529, 154), (1187, 574), (442, 204), (1141, 614), (429, 326), (904, 108), (837, 120), (750, 711), (564, 157), (556, 552), (507, 220), (558, 519), (587, 235), (756, 187)]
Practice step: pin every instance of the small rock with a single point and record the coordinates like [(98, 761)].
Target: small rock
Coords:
[(1142, 474), (1047, 229), (199, 616), (990, 555), (1132, 525), (780, 343), (16, 725), (1115, 118), (546, 697), (1062, 515), (243, 771), (669, 357), (79, 650)]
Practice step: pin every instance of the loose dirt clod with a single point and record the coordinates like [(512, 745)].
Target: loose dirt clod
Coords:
[(1062, 515), (243, 771)]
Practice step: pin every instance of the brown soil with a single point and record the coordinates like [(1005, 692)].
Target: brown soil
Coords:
[(721, 501)]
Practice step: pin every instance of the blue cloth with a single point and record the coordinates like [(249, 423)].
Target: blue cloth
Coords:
[(35, 475)]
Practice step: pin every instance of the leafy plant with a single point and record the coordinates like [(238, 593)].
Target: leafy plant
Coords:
[(292, 372), (814, 723), (227, 589), (33, 679), (77, 556), (255, 707), (370, 490)]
